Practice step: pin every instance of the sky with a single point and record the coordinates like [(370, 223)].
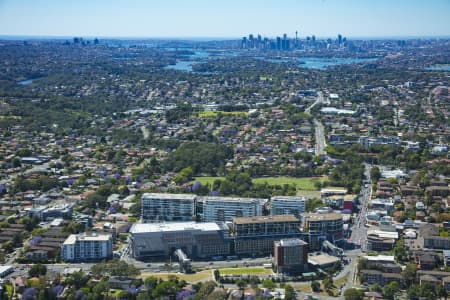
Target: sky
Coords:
[(226, 18)]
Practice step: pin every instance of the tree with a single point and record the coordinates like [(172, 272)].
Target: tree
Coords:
[(217, 295), (428, 291), (165, 289), (100, 288), (315, 286), (77, 279), (442, 292), (390, 290), (400, 251), (328, 283), (413, 292), (376, 288), (37, 270), (216, 275), (151, 282), (17, 240), (375, 173), (254, 281), (269, 284), (409, 273), (241, 284), (206, 289), (354, 294), (115, 267), (289, 292)]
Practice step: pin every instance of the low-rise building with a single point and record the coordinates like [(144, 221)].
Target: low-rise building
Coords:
[(377, 277), (431, 238), (195, 239)]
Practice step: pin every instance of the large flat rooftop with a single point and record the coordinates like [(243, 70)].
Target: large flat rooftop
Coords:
[(231, 199), (322, 260), (175, 226), (288, 198), (71, 239), (316, 217), (265, 219), (168, 196)]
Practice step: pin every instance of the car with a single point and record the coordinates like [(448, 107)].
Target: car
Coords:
[(363, 286)]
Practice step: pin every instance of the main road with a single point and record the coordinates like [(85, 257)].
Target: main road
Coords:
[(319, 129), (319, 100), (320, 138), (359, 231)]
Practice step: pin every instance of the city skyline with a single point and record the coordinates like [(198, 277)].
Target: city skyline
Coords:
[(202, 19)]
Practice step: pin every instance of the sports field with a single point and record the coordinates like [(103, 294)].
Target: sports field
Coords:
[(246, 271), (304, 183), (199, 276)]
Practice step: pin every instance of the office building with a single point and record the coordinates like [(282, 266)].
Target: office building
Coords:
[(287, 205), (255, 236), (224, 209), (87, 247), (291, 256), (168, 207), (318, 227), (195, 239)]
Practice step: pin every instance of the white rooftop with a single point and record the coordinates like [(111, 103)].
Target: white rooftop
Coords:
[(334, 110), (168, 196), (71, 239), (383, 234), (389, 258), (232, 199), (5, 268), (287, 198), (174, 226)]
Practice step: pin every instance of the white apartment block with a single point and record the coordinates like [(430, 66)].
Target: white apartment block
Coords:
[(224, 209), (86, 247), (168, 207), (287, 205)]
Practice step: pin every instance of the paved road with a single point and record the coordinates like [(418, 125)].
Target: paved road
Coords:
[(320, 138), (359, 231), (320, 130), (319, 100)]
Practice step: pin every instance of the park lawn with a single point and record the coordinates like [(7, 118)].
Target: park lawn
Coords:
[(305, 287), (195, 277), (303, 184), (205, 180), (211, 114), (308, 194), (246, 271)]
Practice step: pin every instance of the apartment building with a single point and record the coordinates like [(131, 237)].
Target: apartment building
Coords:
[(224, 209), (87, 247), (168, 207), (287, 205)]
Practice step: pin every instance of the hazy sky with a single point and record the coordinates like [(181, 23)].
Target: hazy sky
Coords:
[(226, 18)]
